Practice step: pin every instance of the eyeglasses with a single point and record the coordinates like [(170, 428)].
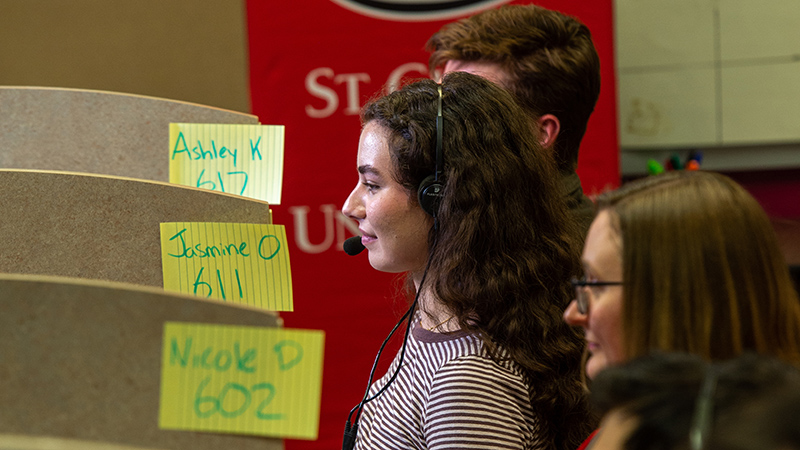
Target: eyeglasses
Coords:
[(581, 298)]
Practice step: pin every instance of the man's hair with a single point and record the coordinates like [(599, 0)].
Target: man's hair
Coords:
[(702, 269), (550, 61), (504, 247)]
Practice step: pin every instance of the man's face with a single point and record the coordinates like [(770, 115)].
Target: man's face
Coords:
[(489, 70), (548, 125)]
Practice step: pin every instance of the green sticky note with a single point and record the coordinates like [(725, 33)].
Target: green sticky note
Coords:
[(241, 263), (242, 380), (244, 160)]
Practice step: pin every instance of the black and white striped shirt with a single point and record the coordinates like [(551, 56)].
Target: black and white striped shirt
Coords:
[(449, 394)]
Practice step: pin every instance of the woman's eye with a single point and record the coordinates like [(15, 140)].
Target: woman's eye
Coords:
[(370, 187), (597, 288)]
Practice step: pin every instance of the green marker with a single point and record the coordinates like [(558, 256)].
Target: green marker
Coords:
[(653, 167)]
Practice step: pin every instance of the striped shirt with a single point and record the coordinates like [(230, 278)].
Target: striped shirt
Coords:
[(449, 394)]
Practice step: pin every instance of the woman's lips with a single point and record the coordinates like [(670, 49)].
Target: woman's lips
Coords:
[(366, 239)]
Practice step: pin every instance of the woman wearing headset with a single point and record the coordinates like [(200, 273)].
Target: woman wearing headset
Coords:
[(479, 228)]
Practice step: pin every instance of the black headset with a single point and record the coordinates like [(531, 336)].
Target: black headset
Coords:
[(431, 189)]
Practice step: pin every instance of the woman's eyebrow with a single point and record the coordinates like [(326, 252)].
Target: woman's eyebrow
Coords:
[(588, 267), (368, 169)]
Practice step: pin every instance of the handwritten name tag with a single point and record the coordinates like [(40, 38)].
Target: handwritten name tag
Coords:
[(245, 160), (237, 379), (232, 262)]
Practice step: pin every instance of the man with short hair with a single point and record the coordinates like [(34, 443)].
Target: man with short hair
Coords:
[(548, 61)]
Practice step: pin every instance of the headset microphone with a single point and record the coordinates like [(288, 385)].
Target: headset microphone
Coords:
[(353, 246)]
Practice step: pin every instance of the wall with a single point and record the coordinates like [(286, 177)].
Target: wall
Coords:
[(721, 77), (178, 49)]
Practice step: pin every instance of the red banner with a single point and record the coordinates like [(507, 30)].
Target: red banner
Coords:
[(313, 64)]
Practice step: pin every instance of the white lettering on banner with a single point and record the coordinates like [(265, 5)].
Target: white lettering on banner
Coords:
[(333, 219), (318, 90), (352, 83)]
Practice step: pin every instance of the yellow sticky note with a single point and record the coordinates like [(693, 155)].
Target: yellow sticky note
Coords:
[(234, 262), (243, 380), (245, 160)]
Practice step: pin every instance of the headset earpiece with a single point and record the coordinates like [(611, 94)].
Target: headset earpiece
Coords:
[(429, 194)]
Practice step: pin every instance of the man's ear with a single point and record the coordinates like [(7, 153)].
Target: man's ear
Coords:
[(549, 126)]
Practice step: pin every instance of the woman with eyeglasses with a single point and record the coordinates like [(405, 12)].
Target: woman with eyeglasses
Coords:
[(688, 262), (685, 261)]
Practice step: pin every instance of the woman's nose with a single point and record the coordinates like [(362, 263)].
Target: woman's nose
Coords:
[(352, 206), (572, 316)]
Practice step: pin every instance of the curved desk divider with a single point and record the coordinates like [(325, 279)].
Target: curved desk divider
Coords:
[(102, 227), (82, 360), (96, 131), (22, 442)]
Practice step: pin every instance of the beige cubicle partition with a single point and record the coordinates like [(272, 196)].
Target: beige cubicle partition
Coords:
[(23, 442), (102, 227), (83, 191), (99, 132), (81, 360)]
